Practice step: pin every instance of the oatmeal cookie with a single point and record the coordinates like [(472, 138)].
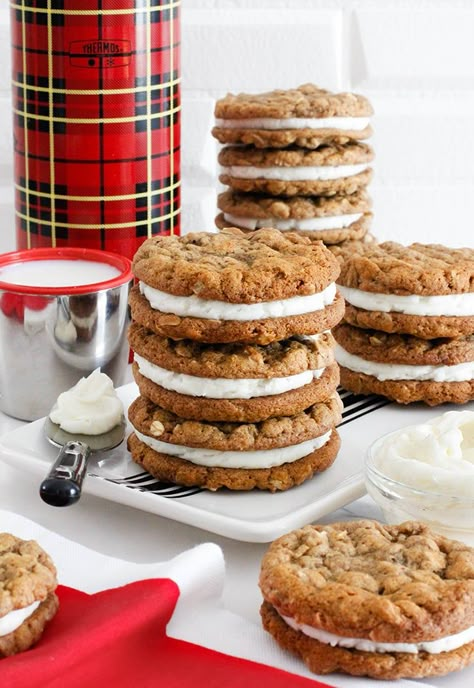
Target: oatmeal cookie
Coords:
[(403, 349), (406, 368), (274, 454), (234, 267), (343, 596), (306, 116), (250, 410), (408, 391), (425, 290), (234, 382), (420, 269), (27, 582), (327, 171), (235, 360), (153, 421), (272, 479), (260, 331), (329, 219)]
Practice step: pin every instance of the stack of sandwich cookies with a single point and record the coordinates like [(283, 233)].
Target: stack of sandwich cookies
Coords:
[(365, 599), (237, 382), (298, 163), (27, 597), (409, 330)]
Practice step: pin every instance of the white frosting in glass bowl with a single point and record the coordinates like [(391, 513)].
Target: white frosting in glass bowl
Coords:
[(425, 472)]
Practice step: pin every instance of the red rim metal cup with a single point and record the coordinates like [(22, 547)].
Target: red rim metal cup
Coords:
[(51, 336), (120, 262)]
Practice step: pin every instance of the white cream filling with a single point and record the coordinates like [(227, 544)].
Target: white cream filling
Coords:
[(392, 371), (303, 173), (195, 307), (261, 458), (435, 456), (91, 407), (223, 388), (445, 304), (343, 123), (311, 223), (434, 647), (13, 620)]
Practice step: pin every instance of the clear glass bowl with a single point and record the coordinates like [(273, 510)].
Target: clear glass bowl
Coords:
[(446, 514)]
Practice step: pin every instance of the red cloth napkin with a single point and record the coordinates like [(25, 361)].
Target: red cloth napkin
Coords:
[(117, 639)]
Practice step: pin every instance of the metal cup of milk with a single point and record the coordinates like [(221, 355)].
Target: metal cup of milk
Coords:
[(63, 313)]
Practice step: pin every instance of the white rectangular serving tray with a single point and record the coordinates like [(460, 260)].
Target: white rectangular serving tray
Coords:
[(254, 516)]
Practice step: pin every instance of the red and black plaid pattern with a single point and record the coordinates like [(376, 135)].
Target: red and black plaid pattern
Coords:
[(96, 111)]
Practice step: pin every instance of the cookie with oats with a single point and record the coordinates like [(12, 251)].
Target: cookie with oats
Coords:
[(27, 598), (371, 600), (346, 249), (406, 368), (328, 219), (330, 170), (234, 382), (275, 454), (426, 290), (235, 287), (306, 116)]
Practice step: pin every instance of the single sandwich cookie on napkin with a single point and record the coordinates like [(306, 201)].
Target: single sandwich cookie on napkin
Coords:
[(372, 600), (329, 170), (27, 597), (329, 219), (234, 382), (426, 290), (306, 116), (272, 455), (231, 286), (406, 368)]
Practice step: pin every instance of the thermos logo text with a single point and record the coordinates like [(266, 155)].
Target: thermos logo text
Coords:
[(97, 54)]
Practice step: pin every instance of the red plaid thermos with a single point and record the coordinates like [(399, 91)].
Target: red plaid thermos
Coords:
[(96, 110)]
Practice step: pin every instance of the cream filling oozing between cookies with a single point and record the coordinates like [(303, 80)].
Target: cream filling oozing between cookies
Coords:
[(309, 224), (443, 304), (446, 644), (261, 458), (343, 123), (195, 307), (393, 371), (224, 388), (303, 173), (13, 620)]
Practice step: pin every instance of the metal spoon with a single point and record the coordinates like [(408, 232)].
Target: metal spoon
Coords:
[(62, 486)]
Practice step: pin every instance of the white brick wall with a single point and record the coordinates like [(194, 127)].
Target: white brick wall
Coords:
[(413, 58)]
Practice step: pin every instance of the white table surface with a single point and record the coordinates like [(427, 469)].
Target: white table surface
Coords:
[(138, 536)]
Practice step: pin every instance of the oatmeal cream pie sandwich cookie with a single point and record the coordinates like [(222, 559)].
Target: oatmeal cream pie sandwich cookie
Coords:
[(372, 600), (426, 290), (331, 219), (230, 286), (275, 454), (27, 598), (329, 170), (406, 368), (306, 116), (234, 382)]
